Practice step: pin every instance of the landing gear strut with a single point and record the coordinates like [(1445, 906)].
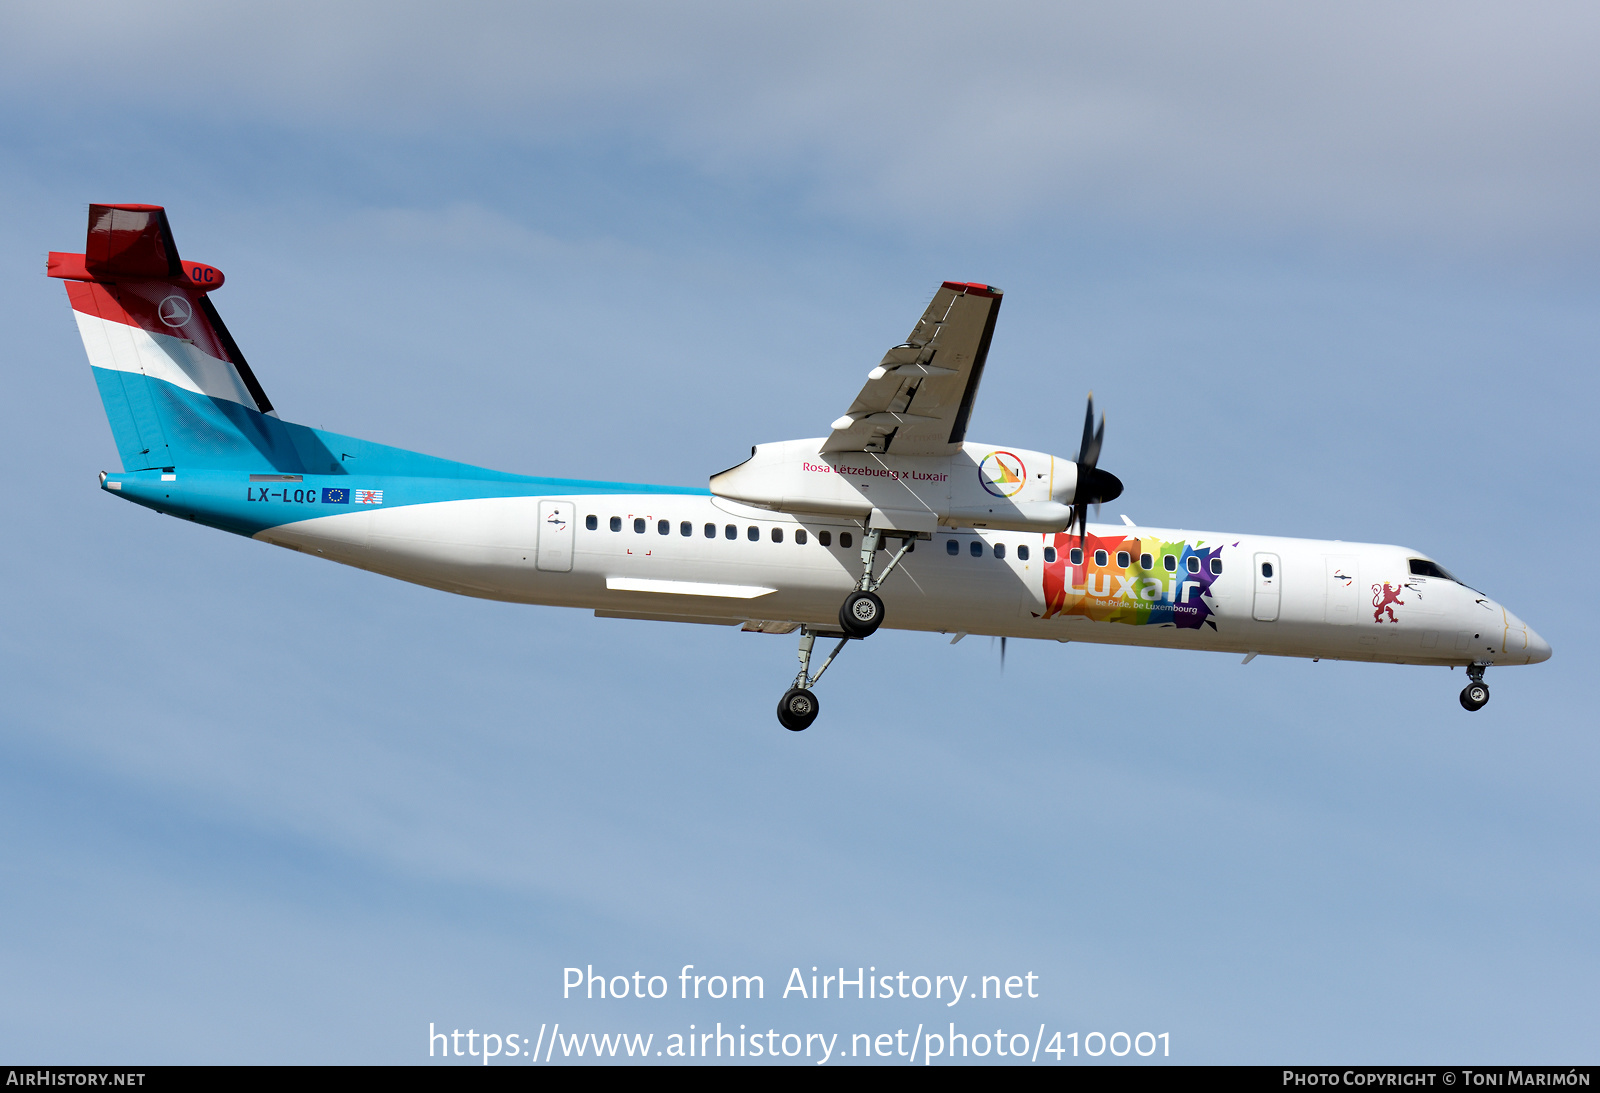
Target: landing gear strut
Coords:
[(798, 707), (862, 612), (859, 617), (1475, 695)]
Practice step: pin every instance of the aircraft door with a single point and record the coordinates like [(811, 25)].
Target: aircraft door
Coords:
[(1343, 604), (1269, 579), (557, 529)]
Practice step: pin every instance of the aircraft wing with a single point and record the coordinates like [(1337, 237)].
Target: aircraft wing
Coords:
[(917, 401)]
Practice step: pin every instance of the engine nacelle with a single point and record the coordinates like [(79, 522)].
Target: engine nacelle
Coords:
[(981, 486)]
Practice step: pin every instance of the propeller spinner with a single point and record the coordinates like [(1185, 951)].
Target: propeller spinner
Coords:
[(1094, 485)]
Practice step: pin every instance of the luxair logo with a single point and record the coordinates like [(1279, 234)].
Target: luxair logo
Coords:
[(174, 311), (1002, 473)]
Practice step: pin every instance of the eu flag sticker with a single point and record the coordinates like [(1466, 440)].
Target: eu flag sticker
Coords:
[(335, 495)]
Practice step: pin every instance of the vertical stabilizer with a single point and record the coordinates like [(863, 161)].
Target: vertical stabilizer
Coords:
[(175, 386)]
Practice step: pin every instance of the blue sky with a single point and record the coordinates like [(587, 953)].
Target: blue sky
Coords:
[(257, 808)]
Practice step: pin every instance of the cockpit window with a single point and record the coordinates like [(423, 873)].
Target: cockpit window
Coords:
[(1421, 567)]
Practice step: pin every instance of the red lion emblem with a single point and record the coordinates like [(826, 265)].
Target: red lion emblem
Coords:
[(1384, 595)]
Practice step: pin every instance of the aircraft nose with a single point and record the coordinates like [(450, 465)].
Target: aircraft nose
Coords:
[(1522, 642), (1538, 648)]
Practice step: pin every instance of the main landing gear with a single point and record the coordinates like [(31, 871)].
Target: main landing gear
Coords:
[(859, 617), (798, 707), (862, 612), (1475, 695)]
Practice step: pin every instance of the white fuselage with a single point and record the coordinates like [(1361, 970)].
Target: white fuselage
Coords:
[(1353, 601)]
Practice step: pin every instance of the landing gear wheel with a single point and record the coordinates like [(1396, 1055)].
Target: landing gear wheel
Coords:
[(797, 709), (1474, 697), (861, 614)]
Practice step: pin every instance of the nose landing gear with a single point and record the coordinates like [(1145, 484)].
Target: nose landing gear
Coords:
[(1475, 695)]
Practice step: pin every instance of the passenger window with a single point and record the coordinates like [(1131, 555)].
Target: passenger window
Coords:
[(825, 538), (1100, 557), (731, 531), (711, 531), (844, 539), (976, 548), (638, 524), (777, 535), (1122, 559), (1216, 567), (1266, 569), (1000, 550), (952, 547), (1146, 562), (1049, 554), (1169, 562), (591, 522), (1022, 553), (800, 536), (664, 527), (1075, 556), (1193, 564), (686, 529), (616, 523), (753, 533)]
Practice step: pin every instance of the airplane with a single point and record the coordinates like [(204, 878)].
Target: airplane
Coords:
[(787, 540)]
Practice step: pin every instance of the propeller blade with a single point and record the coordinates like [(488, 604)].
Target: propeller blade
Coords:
[(1002, 654), (1089, 479), (1089, 449)]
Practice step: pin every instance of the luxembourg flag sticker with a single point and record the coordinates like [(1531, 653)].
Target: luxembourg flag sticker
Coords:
[(368, 497)]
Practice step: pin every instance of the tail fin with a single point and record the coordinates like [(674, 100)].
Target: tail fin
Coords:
[(175, 386)]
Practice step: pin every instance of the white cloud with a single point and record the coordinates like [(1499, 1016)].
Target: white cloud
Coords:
[(1472, 123)]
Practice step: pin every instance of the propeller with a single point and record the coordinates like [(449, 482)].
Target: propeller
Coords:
[(1002, 652), (1094, 485)]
